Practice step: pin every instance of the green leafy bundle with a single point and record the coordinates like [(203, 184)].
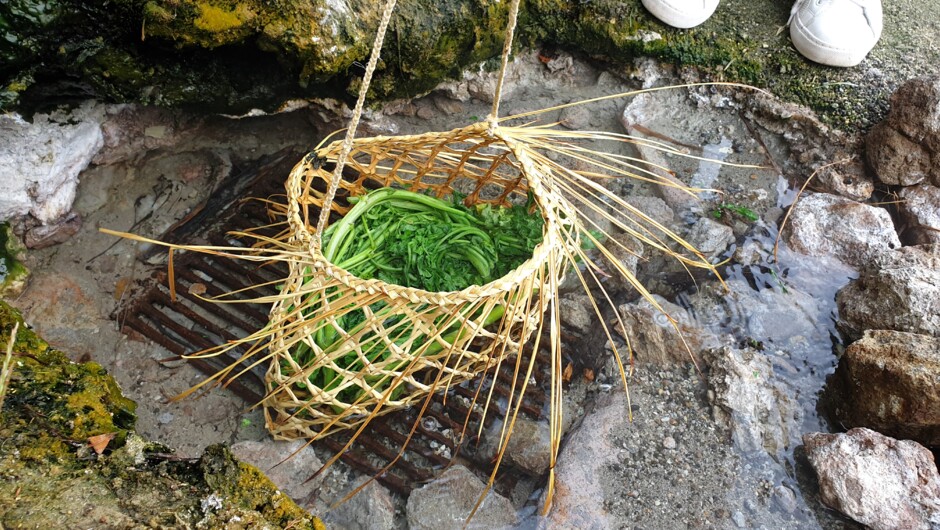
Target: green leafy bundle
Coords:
[(418, 241)]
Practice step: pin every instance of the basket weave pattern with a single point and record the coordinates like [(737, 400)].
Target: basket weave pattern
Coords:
[(411, 324)]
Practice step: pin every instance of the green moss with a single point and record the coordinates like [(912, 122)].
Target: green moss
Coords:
[(54, 396), (248, 488), (26, 341), (13, 274), (199, 23), (231, 56), (51, 478), (215, 19)]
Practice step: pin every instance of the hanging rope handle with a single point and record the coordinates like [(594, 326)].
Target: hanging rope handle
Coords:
[(364, 88), (353, 122), (507, 49)]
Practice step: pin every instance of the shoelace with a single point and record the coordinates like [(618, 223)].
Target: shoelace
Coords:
[(794, 9)]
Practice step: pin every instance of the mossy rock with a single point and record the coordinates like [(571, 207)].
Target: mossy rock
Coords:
[(52, 477), (13, 274), (235, 55)]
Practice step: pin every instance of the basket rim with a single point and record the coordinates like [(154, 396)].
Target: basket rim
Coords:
[(540, 254)]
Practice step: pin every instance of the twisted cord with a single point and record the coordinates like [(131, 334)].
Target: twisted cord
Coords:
[(353, 122)]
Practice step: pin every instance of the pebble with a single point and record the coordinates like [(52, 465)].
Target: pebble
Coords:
[(669, 442), (739, 519), (785, 498)]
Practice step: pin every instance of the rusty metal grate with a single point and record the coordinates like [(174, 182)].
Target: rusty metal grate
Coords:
[(191, 324)]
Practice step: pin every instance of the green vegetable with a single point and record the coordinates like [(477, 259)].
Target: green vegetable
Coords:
[(414, 240), (743, 211)]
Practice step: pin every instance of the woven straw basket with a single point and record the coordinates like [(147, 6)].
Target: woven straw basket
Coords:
[(487, 168)]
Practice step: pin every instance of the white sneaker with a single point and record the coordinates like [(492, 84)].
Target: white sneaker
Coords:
[(681, 13), (835, 32)]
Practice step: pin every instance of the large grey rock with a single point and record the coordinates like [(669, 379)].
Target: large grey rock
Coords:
[(759, 412), (905, 148), (655, 209), (880, 482), (371, 509), (446, 502), (848, 180), (890, 381), (899, 290), (895, 158), (290, 465), (653, 336), (579, 495), (827, 225), (41, 162), (920, 211)]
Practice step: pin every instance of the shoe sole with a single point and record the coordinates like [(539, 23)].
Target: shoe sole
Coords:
[(676, 19)]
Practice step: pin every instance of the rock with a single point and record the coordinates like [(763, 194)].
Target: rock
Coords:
[(920, 211), (287, 464), (134, 482), (654, 208), (759, 412), (43, 236), (880, 482), (447, 106), (628, 251), (848, 180), (710, 237), (371, 509), (653, 337), (890, 381), (822, 224), (576, 311), (577, 117), (579, 495), (132, 130), (13, 274), (785, 498), (899, 290), (638, 112), (46, 156), (529, 447), (894, 158), (915, 111), (445, 503), (905, 148), (752, 252), (61, 306)]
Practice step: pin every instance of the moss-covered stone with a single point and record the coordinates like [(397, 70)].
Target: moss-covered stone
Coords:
[(51, 477), (13, 274), (56, 402), (234, 55)]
